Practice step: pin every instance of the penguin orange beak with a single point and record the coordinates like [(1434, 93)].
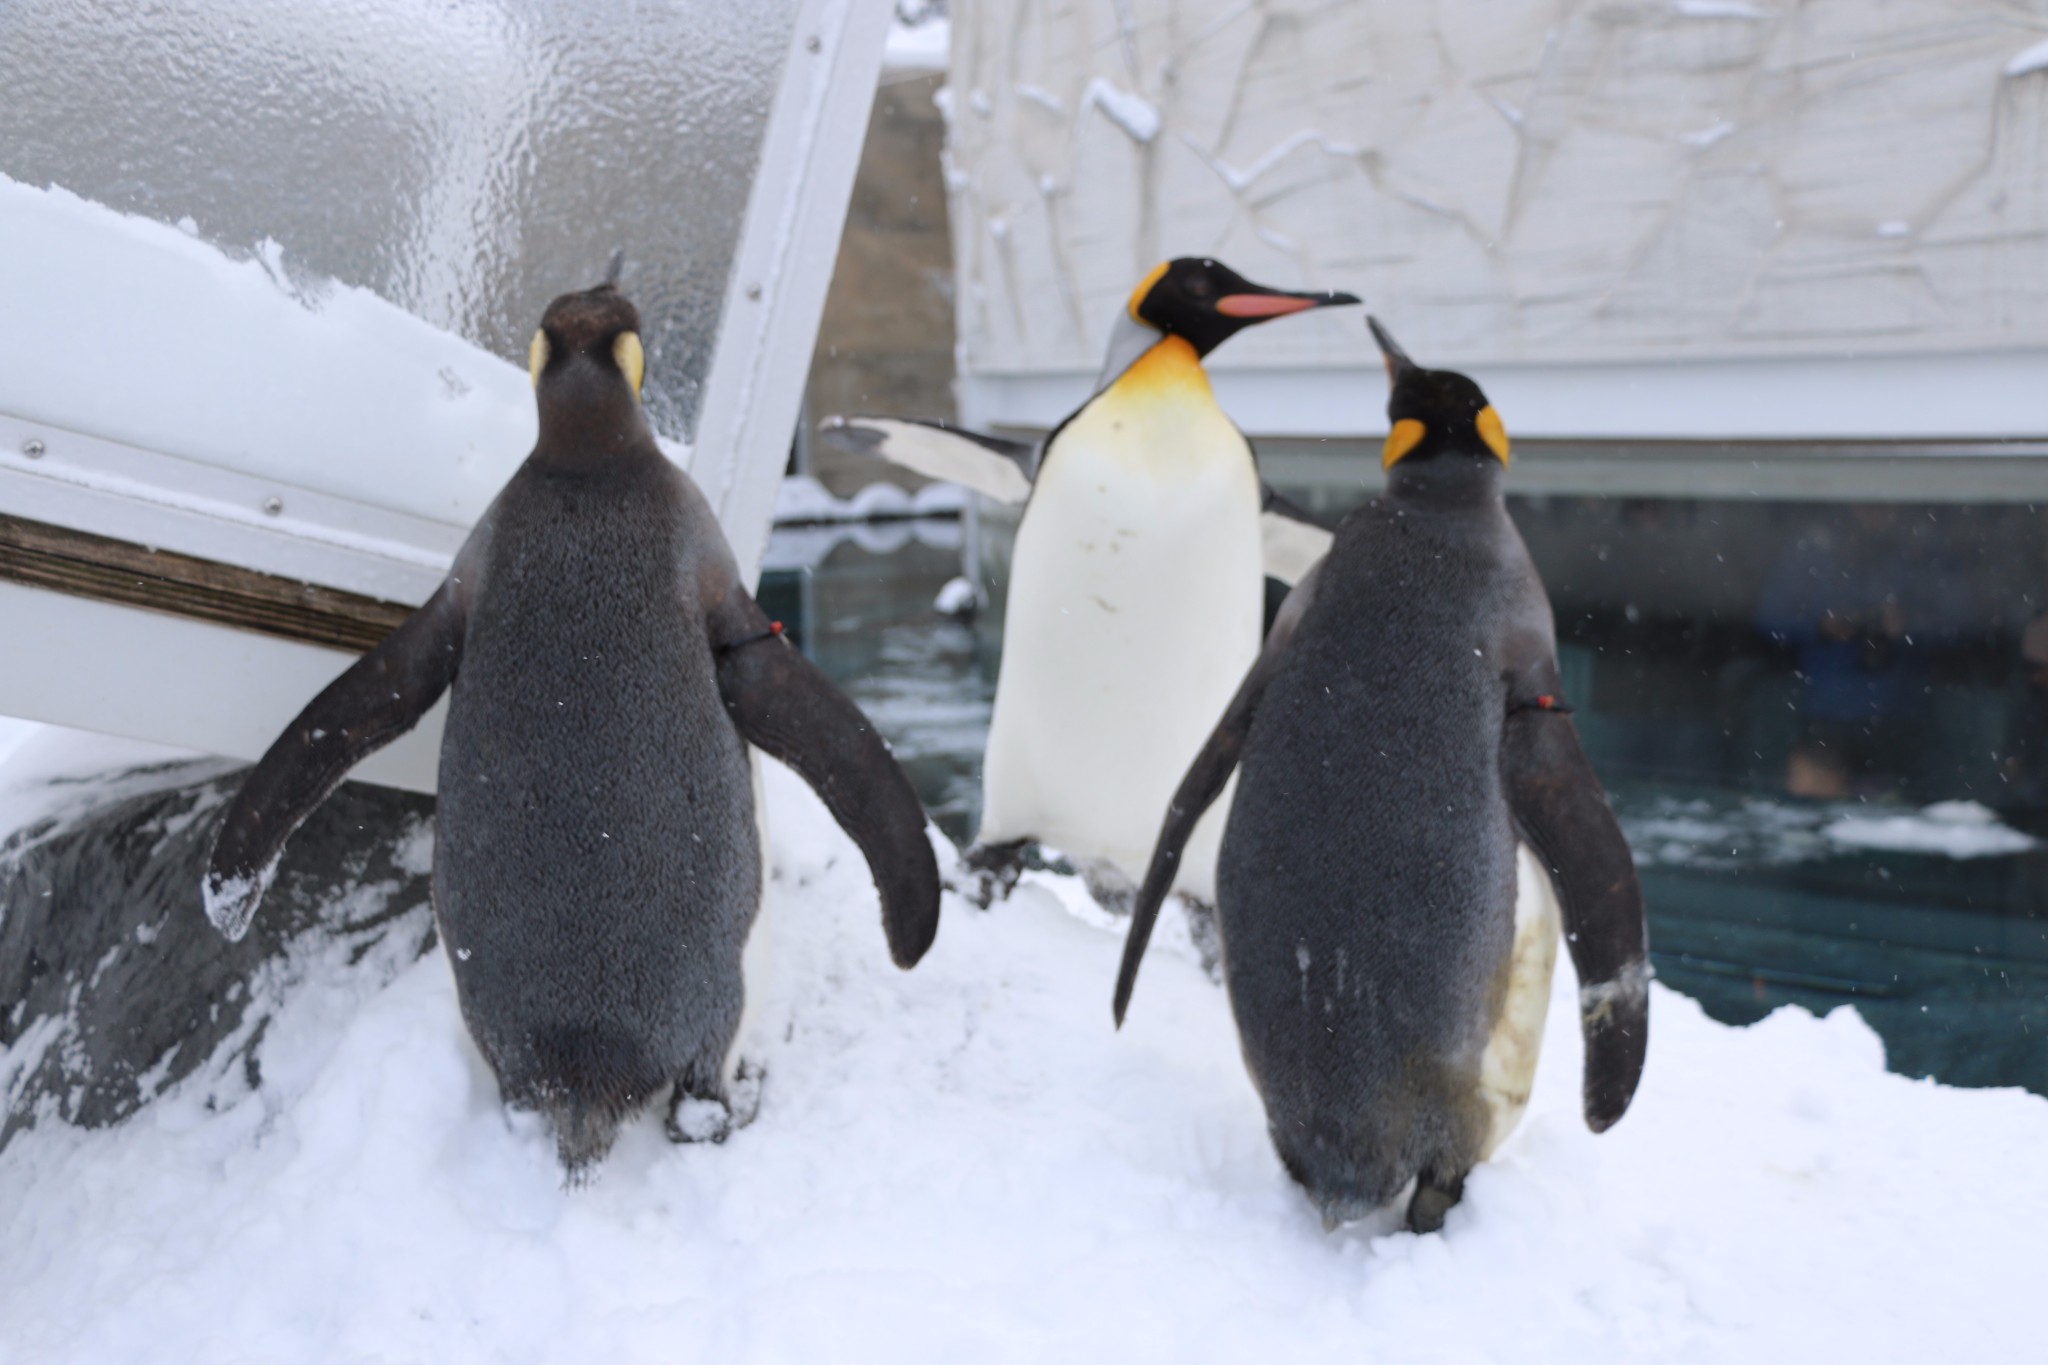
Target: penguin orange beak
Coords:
[(1279, 305)]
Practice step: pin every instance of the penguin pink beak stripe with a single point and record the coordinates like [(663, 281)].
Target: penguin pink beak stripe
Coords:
[(1263, 305)]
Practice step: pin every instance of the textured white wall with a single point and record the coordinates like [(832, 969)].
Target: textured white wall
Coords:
[(1510, 182)]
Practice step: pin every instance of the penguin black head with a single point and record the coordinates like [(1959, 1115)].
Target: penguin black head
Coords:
[(1435, 412), (598, 327), (1207, 302)]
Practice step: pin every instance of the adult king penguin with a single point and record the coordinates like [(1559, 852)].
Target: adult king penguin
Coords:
[(597, 865), (1402, 727), (1137, 582)]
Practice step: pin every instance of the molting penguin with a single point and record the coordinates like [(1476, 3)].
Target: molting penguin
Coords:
[(1402, 727), (597, 866), (1137, 584)]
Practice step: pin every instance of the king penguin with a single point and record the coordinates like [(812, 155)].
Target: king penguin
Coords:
[(1403, 727), (1137, 581), (597, 865)]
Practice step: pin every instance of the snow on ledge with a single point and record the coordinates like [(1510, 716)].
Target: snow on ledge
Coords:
[(1131, 112), (801, 500), (2031, 60)]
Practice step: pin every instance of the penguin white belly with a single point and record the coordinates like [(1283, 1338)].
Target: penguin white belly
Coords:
[(1136, 596), (1507, 1069)]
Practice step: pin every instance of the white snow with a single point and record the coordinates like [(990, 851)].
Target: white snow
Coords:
[(956, 596), (966, 1163), (1952, 829), (1720, 9), (917, 48), (15, 733), (2029, 60), (1129, 111), (245, 364)]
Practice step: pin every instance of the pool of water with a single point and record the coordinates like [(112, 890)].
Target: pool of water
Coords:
[(1757, 898)]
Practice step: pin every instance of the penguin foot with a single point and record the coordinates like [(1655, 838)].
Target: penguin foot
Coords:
[(716, 1115), (1435, 1196), (992, 871)]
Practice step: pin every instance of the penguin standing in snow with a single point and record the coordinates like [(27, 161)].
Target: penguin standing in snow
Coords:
[(1137, 583), (597, 863), (1401, 729)]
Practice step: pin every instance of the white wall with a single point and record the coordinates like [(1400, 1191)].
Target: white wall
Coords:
[(1519, 184)]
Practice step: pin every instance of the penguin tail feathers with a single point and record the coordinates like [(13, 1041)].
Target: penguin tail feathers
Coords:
[(586, 1082)]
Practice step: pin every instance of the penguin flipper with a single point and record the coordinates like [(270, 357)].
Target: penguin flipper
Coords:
[(379, 698), (783, 705), (1202, 784), (1564, 816), (1291, 537), (987, 464)]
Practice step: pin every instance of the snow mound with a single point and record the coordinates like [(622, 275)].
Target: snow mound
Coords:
[(966, 1162), (1950, 829)]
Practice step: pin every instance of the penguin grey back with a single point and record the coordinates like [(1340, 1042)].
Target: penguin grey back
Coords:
[(599, 866), (1365, 947), (1399, 732)]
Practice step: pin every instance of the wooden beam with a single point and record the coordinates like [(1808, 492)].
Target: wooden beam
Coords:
[(38, 555)]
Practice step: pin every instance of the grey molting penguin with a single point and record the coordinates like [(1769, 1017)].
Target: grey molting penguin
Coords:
[(1137, 583), (1402, 729), (597, 866)]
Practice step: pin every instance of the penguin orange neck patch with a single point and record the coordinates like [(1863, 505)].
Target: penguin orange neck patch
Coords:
[(1171, 368)]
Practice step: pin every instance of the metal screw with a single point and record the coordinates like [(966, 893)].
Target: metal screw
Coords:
[(753, 291), (273, 505), (812, 44), (33, 448)]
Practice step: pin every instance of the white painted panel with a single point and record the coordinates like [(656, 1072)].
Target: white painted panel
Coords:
[(1522, 185), (147, 675)]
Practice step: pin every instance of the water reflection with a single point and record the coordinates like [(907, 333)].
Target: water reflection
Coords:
[(1822, 726)]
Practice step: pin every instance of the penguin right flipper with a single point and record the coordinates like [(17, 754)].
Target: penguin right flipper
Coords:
[(787, 708), (1291, 537), (1564, 816), (1204, 782), (379, 698), (988, 464)]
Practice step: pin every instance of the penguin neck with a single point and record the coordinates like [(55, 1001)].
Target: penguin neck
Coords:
[(1447, 481), (582, 425)]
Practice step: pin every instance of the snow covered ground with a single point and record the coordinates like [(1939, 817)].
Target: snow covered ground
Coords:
[(966, 1163)]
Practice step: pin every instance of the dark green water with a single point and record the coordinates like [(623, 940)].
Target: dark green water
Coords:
[(1696, 717)]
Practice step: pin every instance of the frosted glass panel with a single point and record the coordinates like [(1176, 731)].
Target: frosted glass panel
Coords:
[(466, 161)]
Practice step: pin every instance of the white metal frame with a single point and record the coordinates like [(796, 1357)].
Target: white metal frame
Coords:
[(179, 682)]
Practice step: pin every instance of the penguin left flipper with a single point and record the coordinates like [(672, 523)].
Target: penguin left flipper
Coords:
[(379, 698), (1204, 782), (784, 706), (1292, 538), (1564, 817), (1000, 468)]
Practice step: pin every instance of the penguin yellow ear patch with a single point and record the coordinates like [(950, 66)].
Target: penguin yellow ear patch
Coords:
[(631, 359), (1406, 435), (1492, 432), (1144, 288), (537, 356)]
